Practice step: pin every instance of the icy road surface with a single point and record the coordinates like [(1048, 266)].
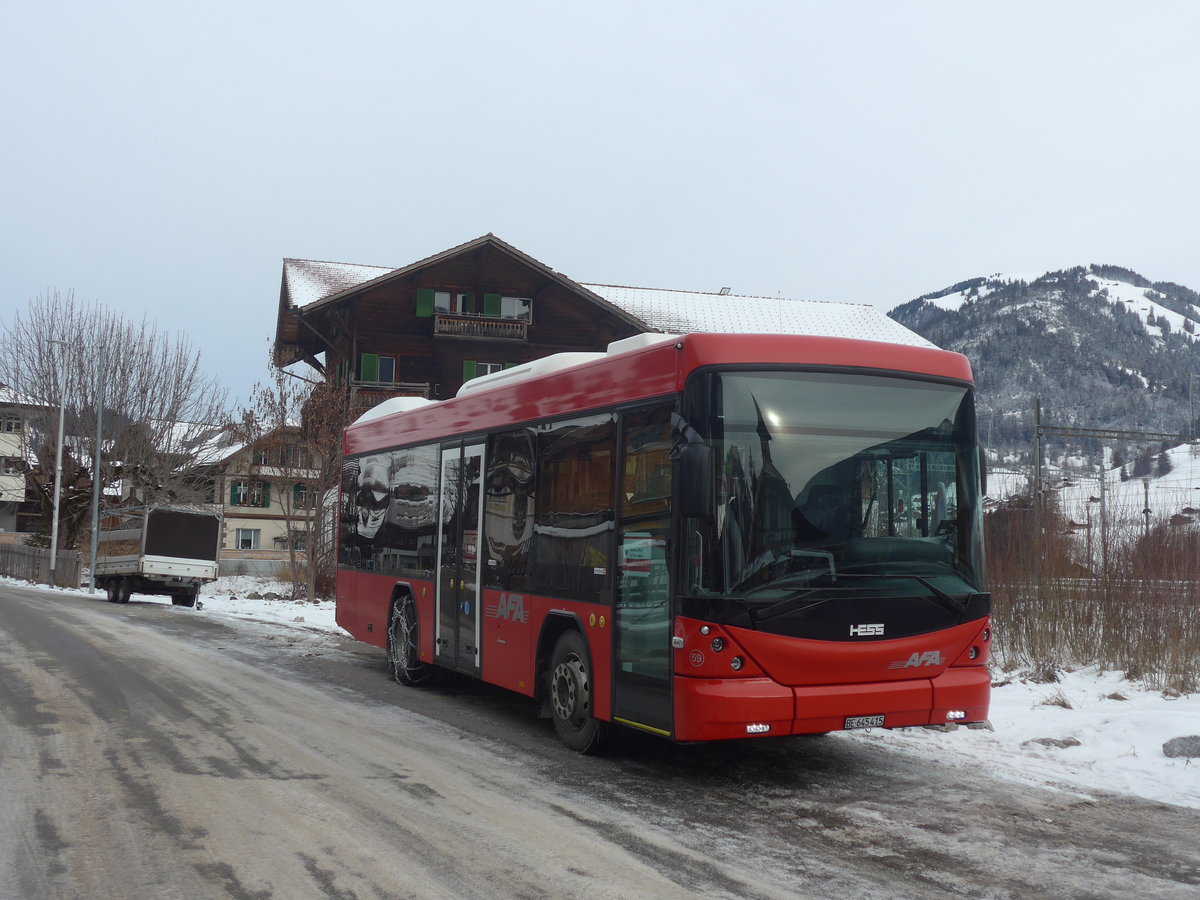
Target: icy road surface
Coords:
[(151, 751)]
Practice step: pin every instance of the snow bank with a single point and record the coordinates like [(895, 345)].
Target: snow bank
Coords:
[(1091, 730)]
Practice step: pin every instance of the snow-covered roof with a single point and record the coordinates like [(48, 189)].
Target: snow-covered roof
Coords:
[(11, 397), (685, 312), (671, 311), (308, 280)]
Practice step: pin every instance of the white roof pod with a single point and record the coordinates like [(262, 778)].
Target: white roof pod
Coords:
[(393, 405), (559, 361)]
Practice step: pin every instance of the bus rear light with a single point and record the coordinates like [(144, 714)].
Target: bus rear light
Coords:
[(973, 653), (761, 728), (736, 663), (954, 715), (718, 644)]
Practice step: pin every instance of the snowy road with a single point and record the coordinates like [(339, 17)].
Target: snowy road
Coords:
[(147, 751)]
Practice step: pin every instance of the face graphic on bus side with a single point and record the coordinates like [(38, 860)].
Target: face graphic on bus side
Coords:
[(371, 499), (509, 498), (413, 476)]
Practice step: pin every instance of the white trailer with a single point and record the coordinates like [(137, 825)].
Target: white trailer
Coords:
[(158, 550)]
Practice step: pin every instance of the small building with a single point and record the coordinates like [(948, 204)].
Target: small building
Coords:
[(17, 513), (266, 493)]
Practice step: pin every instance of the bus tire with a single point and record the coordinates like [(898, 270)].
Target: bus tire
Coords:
[(404, 654), (571, 696)]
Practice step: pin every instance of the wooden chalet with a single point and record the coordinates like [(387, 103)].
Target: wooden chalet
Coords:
[(424, 329)]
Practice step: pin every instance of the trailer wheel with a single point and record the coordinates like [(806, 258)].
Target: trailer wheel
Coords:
[(188, 598), (404, 653), (571, 696), (119, 591)]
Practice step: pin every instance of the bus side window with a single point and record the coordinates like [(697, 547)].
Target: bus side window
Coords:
[(509, 509), (573, 528)]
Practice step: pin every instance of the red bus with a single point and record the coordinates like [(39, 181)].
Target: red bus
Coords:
[(703, 537)]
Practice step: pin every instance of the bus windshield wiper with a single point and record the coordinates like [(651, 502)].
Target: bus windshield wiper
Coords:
[(949, 601), (804, 601), (801, 603)]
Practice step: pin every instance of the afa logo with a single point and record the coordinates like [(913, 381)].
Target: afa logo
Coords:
[(510, 607), (928, 658)]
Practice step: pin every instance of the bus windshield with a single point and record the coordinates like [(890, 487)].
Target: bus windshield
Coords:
[(834, 481)]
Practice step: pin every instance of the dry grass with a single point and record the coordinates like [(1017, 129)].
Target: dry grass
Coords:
[(1139, 615)]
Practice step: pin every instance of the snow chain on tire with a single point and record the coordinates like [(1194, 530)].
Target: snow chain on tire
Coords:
[(413, 673)]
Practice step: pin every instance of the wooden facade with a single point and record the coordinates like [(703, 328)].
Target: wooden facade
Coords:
[(424, 329)]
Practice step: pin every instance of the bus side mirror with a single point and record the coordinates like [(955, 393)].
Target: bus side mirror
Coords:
[(982, 471), (696, 481)]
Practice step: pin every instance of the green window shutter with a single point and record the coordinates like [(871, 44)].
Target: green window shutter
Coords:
[(368, 366), (297, 495), (469, 367), (424, 303), (233, 493), (469, 302), (491, 305), (266, 494), (509, 365)]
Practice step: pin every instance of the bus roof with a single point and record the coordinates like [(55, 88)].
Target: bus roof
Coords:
[(634, 369)]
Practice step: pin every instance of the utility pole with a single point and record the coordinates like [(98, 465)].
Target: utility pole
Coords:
[(62, 404), (96, 471), (1191, 429), (1146, 509), (1037, 452), (1104, 521)]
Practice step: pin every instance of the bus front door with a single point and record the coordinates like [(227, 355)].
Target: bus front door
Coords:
[(460, 512), (642, 608)]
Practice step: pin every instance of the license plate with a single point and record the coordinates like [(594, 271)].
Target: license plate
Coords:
[(864, 722)]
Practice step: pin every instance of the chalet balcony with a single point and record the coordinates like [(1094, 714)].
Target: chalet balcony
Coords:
[(366, 394), (480, 327)]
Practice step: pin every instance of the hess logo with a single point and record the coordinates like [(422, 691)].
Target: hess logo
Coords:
[(874, 630)]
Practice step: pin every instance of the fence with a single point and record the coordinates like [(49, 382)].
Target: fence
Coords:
[(33, 564)]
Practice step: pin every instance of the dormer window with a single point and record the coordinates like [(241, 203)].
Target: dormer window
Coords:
[(431, 302), (454, 303), (515, 308)]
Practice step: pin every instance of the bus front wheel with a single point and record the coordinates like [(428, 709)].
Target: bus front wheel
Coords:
[(571, 696), (404, 655)]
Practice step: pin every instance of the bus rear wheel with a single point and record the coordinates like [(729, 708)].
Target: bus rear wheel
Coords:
[(571, 696), (404, 654)]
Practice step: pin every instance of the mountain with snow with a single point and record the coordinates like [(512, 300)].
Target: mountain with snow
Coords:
[(1100, 346)]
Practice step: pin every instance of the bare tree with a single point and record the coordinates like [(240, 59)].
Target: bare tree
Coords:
[(159, 407), (295, 427)]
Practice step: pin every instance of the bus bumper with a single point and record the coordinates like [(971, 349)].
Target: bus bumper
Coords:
[(713, 709)]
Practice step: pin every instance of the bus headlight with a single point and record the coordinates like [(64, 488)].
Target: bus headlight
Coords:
[(736, 663)]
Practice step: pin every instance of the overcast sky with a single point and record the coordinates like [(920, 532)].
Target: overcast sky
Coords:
[(163, 158)]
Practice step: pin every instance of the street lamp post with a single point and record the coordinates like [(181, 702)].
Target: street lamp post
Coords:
[(62, 405)]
